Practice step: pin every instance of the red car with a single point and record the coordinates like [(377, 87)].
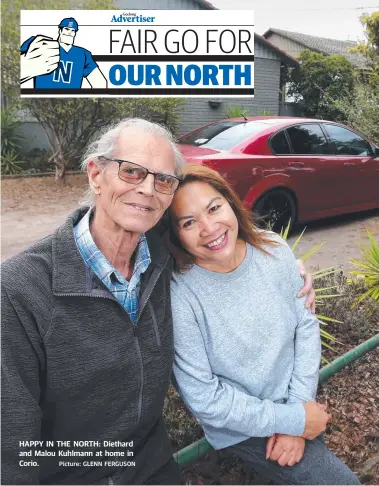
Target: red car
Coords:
[(284, 168)]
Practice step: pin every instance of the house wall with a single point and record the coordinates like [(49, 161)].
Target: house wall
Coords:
[(34, 136), (290, 47)]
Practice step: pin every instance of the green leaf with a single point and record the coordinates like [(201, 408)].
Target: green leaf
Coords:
[(325, 288), (325, 271), (330, 319), (326, 345), (321, 296), (294, 246), (313, 250)]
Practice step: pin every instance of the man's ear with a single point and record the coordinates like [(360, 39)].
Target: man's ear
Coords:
[(94, 176)]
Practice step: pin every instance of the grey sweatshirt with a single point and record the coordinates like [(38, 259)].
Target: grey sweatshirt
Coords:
[(247, 351)]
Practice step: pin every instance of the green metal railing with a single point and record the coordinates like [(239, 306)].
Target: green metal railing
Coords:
[(199, 448)]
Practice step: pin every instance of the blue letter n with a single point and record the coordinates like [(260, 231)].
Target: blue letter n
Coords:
[(63, 72)]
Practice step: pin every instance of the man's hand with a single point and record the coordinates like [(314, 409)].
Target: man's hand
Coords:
[(285, 449), (42, 57), (308, 288), (316, 420)]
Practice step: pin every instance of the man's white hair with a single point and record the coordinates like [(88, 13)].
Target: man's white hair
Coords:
[(106, 144)]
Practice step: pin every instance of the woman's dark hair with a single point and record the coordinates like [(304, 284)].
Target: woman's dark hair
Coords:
[(247, 231)]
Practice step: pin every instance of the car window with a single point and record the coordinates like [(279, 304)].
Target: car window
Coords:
[(308, 139), (279, 144), (346, 142), (224, 135)]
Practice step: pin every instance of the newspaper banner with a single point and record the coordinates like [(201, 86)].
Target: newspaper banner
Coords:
[(158, 53)]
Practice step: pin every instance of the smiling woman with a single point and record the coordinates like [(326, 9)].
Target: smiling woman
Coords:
[(247, 353)]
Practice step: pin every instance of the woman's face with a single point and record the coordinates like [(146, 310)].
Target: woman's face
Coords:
[(205, 225)]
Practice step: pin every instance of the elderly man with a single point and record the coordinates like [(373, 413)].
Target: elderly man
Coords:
[(87, 327)]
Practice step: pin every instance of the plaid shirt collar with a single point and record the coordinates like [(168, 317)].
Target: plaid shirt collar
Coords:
[(100, 265)]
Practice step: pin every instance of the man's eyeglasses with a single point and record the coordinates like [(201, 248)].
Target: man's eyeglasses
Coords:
[(135, 174)]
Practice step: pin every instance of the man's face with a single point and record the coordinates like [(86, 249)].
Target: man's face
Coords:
[(66, 35), (136, 208)]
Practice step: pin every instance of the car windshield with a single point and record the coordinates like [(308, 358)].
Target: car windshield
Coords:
[(224, 135)]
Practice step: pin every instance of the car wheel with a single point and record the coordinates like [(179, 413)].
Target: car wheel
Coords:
[(275, 209)]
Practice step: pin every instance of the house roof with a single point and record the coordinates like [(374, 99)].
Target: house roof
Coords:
[(283, 55), (323, 45), (206, 5)]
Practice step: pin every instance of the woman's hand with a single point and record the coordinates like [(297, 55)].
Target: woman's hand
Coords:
[(285, 449), (316, 419), (308, 288)]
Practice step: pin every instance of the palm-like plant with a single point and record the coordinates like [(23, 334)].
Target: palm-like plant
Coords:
[(322, 293), (368, 269), (10, 139), (9, 163), (10, 142), (235, 111)]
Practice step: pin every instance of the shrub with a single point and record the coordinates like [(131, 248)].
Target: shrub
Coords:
[(362, 111), (368, 269), (10, 139), (359, 322), (10, 142), (235, 111), (9, 163)]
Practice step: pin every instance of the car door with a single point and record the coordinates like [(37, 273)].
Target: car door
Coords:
[(314, 170), (358, 163)]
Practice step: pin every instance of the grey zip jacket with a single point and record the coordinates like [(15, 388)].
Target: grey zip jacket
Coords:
[(75, 368)]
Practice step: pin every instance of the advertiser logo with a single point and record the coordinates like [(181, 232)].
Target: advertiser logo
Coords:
[(128, 17)]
